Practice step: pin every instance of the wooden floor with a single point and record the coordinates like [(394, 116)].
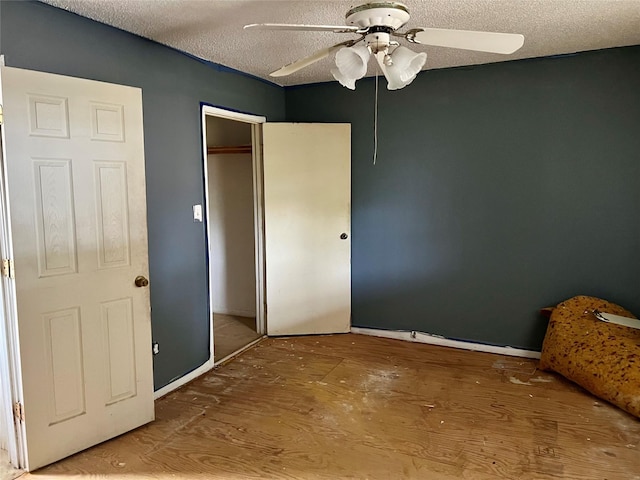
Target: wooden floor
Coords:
[(231, 333), (356, 407)]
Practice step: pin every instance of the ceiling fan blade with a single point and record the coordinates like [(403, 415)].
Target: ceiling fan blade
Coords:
[(305, 62), (308, 28), (492, 42)]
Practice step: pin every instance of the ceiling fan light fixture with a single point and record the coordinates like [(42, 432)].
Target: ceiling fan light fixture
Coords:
[(345, 81), (352, 61), (407, 62), (395, 83), (377, 22), (404, 67)]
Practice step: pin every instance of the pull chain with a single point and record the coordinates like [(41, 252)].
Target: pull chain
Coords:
[(375, 123)]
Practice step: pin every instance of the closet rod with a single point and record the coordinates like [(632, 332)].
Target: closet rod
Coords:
[(230, 149)]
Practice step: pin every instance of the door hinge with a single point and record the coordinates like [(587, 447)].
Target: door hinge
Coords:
[(7, 268), (18, 412), (1, 117)]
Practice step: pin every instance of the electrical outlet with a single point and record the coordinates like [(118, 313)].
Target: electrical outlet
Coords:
[(156, 348)]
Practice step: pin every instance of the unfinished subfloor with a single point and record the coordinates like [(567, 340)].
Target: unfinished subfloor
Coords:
[(231, 333), (351, 406)]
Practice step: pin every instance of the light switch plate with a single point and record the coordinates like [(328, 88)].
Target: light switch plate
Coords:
[(197, 213)]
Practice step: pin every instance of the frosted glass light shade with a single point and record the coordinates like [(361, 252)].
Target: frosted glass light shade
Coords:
[(395, 82), (352, 61), (408, 62), (406, 66), (350, 83)]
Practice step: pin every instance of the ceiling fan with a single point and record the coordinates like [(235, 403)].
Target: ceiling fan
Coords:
[(377, 24)]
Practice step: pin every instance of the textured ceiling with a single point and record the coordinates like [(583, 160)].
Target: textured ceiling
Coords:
[(212, 29)]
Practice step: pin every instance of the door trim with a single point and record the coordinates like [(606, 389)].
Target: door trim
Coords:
[(256, 122), (256, 142), (10, 373)]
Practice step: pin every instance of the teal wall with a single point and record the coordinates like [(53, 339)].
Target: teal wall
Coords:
[(498, 190), (39, 37)]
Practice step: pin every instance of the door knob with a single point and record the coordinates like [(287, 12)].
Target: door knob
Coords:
[(344, 236), (140, 281)]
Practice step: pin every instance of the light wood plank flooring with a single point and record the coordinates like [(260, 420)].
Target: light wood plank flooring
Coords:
[(231, 333), (356, 407)]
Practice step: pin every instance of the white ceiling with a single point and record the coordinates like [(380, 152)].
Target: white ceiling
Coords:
[(212, 29)]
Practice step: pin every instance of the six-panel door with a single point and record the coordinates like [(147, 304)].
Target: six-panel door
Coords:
[(76, 186)]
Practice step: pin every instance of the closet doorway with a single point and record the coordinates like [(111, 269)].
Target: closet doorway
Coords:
[(233, 219)]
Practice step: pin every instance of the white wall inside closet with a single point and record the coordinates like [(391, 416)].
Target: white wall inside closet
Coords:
[(231, 219)]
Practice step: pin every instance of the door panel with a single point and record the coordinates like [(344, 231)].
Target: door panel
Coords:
[(65, 375), (75, 179), (307, 196), (55, 224)]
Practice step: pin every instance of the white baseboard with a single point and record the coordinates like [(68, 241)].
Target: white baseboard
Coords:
[(201, 370), (208, 365), (238, 352), (421, 337), (413, 336)]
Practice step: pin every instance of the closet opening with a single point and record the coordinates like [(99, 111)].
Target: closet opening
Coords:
[(233, 215)]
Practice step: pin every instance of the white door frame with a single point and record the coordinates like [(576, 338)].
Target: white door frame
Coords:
[(10, 377), (258, 217), (256, 122)]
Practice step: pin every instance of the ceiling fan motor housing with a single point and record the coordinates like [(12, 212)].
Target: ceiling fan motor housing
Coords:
[(392, 15), (378, 41)]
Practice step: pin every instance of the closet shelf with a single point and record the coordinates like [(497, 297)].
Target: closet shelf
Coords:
[(230, 149)]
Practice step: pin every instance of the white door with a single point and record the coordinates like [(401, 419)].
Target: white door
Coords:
[(74, 164), (307, 209)]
